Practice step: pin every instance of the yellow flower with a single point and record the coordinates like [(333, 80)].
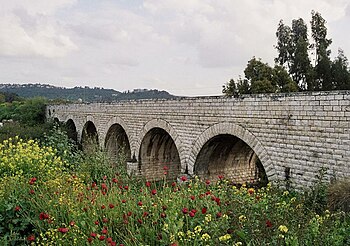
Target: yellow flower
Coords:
[(226, 237), (283, 228), (208, 218), (205, 237), (242, 218), (197, 229)]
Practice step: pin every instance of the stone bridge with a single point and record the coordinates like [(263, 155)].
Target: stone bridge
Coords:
[(247, 139)]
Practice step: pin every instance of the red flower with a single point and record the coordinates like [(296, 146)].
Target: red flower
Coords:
[(185, 210), (17, 208), (221, 176), (104, 177), (114, 180), (268, 223), (89, 239), (129, 213), (123, 201), (96, 222), (191, 214), (207, 182), (103, 207), (173, 184), (148, 184), (154, 191), (218, 215), (145, 214), (192, 197), (31, 238), (126, 187), (204, 210), (111, 205), (104, 186), (165, 168), (104, 231), (163, 215), (217, 200), (109, 240), (183, 178), (193, 210), (101, 238), (31, 192), (72, 223), (93, 185), (93, 234), (139, 203), (32, 180), (139, 220), (43, 216), (104, 220), (63, 230)]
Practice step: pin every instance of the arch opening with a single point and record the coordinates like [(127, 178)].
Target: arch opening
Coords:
[(89, 138), (158, 150), (231, 157), (71, 130), (117, 144)]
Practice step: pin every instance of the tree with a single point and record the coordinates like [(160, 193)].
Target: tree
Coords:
[(323, 74), (230, 88), (300, 70), (340, 72), (283, 80), (284, 45), (261, 78)]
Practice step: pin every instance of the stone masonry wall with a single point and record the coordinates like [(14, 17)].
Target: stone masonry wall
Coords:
[(300, 131)]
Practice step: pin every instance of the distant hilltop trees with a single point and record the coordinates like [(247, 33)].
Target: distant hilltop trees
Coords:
[(79, 94)]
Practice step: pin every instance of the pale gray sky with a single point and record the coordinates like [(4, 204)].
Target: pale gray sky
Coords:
[(187, 47)]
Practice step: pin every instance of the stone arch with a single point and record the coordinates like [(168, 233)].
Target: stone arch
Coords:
[(117, 139), (159, 146), (89, 137), (224, 138)]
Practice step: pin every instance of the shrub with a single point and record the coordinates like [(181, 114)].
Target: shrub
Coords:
[(28, 159), (339, 195)]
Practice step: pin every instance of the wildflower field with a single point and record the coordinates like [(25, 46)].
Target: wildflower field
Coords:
[(50, 194)]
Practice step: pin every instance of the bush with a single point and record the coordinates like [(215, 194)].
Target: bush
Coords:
[(339, 196)]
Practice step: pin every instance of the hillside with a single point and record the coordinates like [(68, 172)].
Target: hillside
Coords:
[(86, 94)]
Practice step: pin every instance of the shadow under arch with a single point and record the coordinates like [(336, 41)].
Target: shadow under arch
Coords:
[(89, 137), (71, 130), (231, 150), (117, 143), (159, 151)]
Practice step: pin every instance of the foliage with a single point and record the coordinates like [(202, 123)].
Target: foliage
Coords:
[(65, 147), (22, 165), (339, 195), (27, 159), (12, 129), (340, 72), (100, 204), (261, 78), (86, 94), (316, 196), (25, 119), (294, 69)]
